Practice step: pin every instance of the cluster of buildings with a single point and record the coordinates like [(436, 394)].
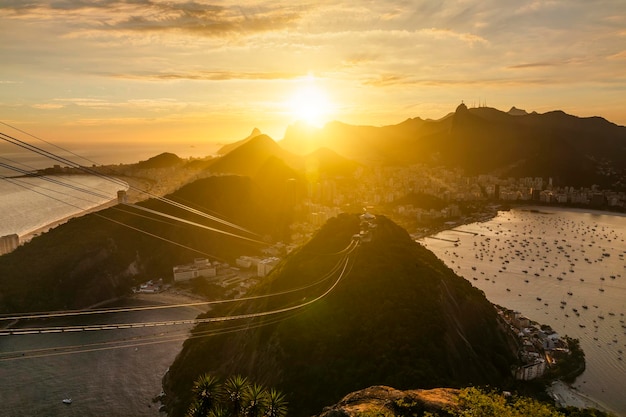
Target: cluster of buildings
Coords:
[(537, 345), (386, 185), (222, 272), (263, 265), (200, 267)]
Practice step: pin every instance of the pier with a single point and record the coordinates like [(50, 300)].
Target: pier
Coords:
[(464, 231), (444, 239)]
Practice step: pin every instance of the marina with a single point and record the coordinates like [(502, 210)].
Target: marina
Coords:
[(562, 268)]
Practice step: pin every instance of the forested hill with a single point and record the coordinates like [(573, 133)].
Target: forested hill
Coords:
[(101, 255), (399, 317)]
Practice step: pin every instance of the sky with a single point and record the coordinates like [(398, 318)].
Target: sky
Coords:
[(80, 71)]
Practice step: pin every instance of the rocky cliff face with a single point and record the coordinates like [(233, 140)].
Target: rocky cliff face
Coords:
[(383, 400)]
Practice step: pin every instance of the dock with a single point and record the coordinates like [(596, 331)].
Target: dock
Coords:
[(444, 239)]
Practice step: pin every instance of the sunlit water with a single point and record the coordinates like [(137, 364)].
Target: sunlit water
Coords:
[(564, 268), (27, 204), (111, 372)]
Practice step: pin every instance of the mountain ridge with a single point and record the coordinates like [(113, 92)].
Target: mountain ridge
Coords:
[(576, 151)]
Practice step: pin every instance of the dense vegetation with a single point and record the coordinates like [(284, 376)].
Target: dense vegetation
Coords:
[(477, 402), (399, 318), (235, 397), (381, 401)]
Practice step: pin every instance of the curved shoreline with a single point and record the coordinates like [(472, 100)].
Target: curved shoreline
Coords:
[(567, 394), (26, 237)]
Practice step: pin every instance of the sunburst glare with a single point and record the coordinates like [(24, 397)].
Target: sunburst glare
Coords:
[(310, 103)]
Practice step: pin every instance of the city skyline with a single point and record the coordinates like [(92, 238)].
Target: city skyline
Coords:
[(194, 71)]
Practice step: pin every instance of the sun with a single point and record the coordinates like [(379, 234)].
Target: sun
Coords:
[(310, 103)]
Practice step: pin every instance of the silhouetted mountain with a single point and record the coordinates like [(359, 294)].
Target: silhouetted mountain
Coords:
[(572, 150), (517, 112), (366, 144), (399, 317), (231, 146), (249, 157), (164, 160), (326, 162)]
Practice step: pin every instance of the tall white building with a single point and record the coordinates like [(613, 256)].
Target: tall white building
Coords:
[(266, 265)]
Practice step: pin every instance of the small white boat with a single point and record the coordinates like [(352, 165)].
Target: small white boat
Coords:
[(67, 400)]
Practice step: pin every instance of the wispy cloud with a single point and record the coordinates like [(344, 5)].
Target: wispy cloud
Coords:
[(209, 76), (48, 106), (619, 55), (403, 80), (152, 105), (149, 16)]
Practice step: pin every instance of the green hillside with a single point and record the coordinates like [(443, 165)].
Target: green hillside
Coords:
[(101, 255), (400, 317)]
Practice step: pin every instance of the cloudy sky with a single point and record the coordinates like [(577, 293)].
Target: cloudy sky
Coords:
[(196, 70)]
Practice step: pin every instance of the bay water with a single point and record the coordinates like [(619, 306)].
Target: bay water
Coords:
[(563, 268), (112, 373), (30, 203)]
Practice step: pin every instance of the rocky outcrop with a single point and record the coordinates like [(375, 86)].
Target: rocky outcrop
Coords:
[(383, 400)]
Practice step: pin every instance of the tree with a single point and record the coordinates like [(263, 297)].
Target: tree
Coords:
[(275, 404), (237, 397), (476, 402), (255, 399), (235, 389), (208, 392), (220, 411)]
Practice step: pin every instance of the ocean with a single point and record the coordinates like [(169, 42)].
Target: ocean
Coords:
[(563, 268), (113, 373), (98, 153), (28, 204)]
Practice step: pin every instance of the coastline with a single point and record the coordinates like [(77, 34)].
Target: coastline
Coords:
[(547, 209), (171, 296), (28, 236), (133, 196), (496, 209), (564, 394)]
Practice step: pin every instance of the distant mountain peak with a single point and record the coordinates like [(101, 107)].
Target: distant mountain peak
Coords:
[(517, 112), (255, 132), (231, 146), (163, 160)]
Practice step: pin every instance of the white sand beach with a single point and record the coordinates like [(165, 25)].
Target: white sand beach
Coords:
[(565, 395)]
